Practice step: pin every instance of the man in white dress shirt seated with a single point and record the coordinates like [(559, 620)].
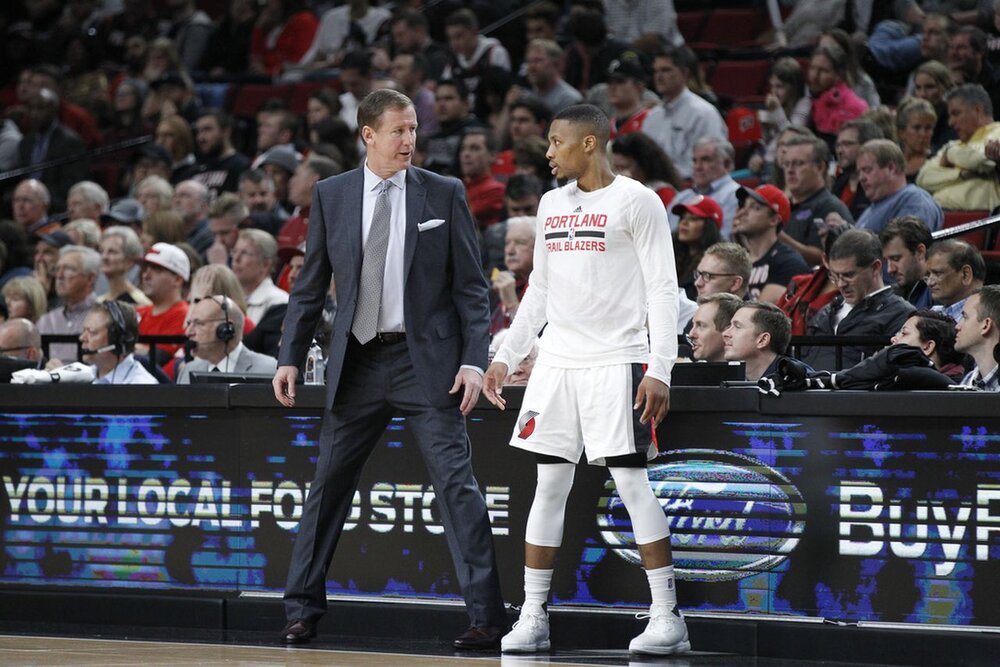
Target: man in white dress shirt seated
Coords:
[(254, 258), (107, 343), (215, 328)]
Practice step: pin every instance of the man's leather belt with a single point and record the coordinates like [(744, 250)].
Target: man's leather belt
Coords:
[(388, 338)]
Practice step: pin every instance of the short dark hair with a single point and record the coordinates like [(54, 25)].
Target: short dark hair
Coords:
[(458, 85), (412, 19), (535, 106), (376, 103), (224, 120), (910, 229), (858, 244), (681, 56), (255, 176), (768, 317), (726, 305), (989, 304), (591, 117), (359, 60), (323, 167), (487, 133), (978, 38), (960, 254), (935, 326), (866, 129), (463, 17), (820, 150), (523, 185)]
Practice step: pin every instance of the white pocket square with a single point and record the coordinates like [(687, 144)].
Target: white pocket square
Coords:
[(430, 224)]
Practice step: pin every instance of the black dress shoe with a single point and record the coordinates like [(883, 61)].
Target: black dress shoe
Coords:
[(298, 631), (479, 638)]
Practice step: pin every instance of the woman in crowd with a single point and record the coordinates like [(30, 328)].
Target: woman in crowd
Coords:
[(932, 81), (697, 230), (915, 122), (120, 251), (637, 156), (126, 112), (856, 77), (322, 104), (282, 36), (174, 134), (833, 101), (25, 297), (154, 193), (163, 226), (786, 104), (934, 333)]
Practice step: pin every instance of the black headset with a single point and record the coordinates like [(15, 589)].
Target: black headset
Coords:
[(118, 333), (225, 331)]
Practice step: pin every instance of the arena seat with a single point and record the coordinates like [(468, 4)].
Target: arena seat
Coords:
[(245, 100), (956, 218), (729, 28), (690, 24), (740, 78), (300, 93)]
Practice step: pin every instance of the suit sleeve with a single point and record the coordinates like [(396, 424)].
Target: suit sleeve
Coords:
[(305, 305), (531, 313), (469, 291)]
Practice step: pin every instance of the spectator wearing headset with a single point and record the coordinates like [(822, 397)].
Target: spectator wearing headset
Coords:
[(108, 342), (215, 328)]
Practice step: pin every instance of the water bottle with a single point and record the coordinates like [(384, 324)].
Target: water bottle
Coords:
[(315, 365)]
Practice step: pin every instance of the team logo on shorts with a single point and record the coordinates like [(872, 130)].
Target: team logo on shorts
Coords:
[(526, 425)]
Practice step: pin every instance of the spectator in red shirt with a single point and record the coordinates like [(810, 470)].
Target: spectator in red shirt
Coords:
[(626, 84), (484, 193), (166, 269), (283, 34)]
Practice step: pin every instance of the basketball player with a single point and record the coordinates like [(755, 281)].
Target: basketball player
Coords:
[(603, 268)]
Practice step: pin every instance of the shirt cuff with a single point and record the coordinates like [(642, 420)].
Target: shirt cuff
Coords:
[(473, 368)]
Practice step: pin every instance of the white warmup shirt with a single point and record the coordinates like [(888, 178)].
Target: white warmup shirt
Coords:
[(604, 263)]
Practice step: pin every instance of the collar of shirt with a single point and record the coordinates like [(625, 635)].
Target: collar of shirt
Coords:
[(954, 311), (120, 374), (228, 363), (713, 186), (675, 103), (991, 382), (372, 180)]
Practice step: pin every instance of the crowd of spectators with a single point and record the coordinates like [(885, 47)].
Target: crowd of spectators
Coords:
[(128, 174)]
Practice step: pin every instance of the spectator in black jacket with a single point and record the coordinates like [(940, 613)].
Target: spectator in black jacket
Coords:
[(866, 306)]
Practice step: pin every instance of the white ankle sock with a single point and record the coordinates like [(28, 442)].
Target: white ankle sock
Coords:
[(536, 586), (661, 585)]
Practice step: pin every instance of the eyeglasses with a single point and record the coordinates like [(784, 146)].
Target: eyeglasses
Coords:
[(709, 277), (197, 324), (847, 276)]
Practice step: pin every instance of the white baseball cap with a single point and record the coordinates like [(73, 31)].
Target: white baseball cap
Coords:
[(171, 258)]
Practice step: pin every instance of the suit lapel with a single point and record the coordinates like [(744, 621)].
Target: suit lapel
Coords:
[(416, 195), (350, 206)]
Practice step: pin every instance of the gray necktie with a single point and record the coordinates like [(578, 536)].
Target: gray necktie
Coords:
[(365, 324)]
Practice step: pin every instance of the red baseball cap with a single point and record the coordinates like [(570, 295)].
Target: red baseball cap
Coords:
[(702, 207), (769, 196)]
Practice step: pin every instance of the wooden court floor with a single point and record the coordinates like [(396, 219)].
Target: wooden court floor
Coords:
[(33, 651)]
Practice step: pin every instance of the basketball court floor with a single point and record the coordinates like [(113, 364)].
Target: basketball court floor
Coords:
[(254, 650)]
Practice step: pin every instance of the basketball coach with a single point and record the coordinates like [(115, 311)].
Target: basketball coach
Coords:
[(410, 339)]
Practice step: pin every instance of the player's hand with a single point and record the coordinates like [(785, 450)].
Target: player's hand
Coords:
[(284, 385), (493, 384), (473, 385), (654, 397)]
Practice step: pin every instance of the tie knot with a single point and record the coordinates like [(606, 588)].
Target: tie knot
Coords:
[(383, 187)]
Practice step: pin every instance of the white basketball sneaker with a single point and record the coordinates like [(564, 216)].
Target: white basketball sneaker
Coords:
[(530, 633), (665, 634)]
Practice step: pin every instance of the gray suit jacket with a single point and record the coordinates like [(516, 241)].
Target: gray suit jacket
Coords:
[(248, 361), (445, 300)]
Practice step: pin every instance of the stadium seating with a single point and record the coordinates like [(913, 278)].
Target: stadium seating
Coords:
[(976, 237)]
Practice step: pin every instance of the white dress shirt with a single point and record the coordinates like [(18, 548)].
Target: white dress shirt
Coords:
[(266, 294), (390, 317)]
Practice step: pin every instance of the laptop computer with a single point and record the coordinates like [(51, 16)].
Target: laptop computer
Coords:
[(707, 373)]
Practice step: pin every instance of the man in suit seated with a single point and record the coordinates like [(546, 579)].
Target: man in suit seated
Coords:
[(215, 328)]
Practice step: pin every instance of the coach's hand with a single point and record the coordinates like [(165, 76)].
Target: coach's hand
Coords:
[(284, 385), (656, 397), (473, 385), (493, 384)]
